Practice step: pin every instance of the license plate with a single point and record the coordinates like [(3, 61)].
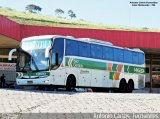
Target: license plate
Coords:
[(30, 82)]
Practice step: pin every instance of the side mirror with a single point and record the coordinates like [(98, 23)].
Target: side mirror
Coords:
[(10, 54)]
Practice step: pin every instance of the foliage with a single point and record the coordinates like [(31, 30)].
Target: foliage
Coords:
[(33, 8), (41, 20), (59, 11), (71, 14)]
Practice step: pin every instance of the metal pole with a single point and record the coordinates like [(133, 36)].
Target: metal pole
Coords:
[(150, 73)]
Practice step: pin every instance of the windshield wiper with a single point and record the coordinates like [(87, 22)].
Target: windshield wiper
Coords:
[(35, 64)]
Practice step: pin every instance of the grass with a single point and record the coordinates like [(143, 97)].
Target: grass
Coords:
[(41, 20)]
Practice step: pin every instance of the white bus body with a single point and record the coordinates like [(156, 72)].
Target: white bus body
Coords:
[(78, 62)]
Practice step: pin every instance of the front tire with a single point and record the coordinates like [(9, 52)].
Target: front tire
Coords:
[(71, 83)]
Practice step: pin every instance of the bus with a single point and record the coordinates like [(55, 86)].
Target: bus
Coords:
[(65, 61)]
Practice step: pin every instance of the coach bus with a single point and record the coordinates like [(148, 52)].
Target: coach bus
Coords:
[(54, 60)]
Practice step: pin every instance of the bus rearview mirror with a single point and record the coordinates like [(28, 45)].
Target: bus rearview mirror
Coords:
[(11, 53)]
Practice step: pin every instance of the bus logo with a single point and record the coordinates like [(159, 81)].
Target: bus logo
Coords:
[(76, 63), (139, 70), (41, 74)]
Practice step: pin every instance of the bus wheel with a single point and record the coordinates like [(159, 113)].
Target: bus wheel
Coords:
[(71, 83), (130, 86), (123, 86)]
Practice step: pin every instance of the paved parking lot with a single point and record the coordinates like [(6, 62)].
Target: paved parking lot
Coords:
[(13, 102)]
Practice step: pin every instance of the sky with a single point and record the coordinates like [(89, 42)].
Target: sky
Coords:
[(111, 12)]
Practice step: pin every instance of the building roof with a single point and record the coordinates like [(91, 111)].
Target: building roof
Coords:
[(15, 32)]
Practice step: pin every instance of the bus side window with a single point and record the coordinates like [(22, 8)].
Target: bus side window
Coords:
[(54, 60), (118, 55), (71, 47), (141, 58), (96, 51), (135, 58), (84, 49), (128, 56), (107, 53), (58, 50)]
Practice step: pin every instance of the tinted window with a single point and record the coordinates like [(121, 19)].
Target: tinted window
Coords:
[(141, 58), (71, 47), (96, 51), (84, 49), (107, 53), (128, 56), (118, 55), (58, 47), (135, 58)]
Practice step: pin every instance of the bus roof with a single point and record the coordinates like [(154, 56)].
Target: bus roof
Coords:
[(88, 40), (38, 37)]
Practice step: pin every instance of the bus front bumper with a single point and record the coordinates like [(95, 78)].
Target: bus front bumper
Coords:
[(38, 81)]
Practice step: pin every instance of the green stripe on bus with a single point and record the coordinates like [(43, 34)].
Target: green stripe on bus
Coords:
[(138, 70), (88, 64), (66, 61), (126, 68), (111, 74), (133, 69), (79, 63), (114, 67)]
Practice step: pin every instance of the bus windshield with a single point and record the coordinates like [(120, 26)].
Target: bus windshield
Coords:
[(33, 61), (32, 55), (38, 60)]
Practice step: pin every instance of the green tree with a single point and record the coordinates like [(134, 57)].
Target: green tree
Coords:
[(59, 11), (38, 8), (71, 14), (33, 8)]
